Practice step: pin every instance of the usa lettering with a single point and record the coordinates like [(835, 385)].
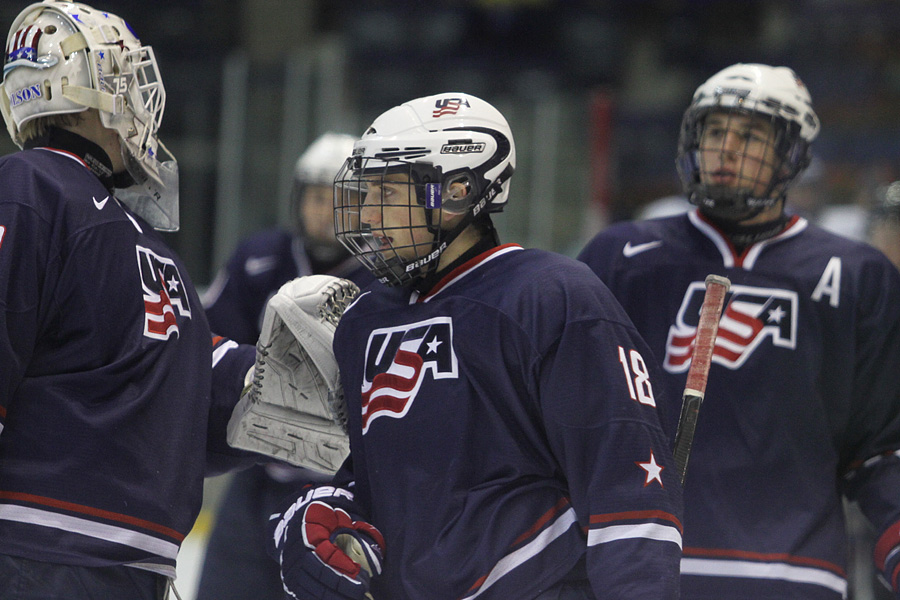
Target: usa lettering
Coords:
[(165, 299), (397, 361), (752, 316)]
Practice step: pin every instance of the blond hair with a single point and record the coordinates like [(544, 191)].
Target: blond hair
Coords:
[(38, 127)]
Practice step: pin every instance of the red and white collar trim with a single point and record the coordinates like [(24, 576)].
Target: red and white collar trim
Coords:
[(746, 259), (463, 270), (65, 153)]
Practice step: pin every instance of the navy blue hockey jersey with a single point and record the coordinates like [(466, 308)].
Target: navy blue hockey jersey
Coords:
[(803, 401), (108, 417), (503, 428)]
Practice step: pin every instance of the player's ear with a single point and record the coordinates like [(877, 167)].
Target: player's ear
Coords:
[(457, 199)]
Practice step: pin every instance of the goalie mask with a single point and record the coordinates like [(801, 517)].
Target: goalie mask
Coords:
[(418, 165), (66, 57), (744, 139)]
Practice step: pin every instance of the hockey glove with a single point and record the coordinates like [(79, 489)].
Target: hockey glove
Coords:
[(325, 552), (293, 408)]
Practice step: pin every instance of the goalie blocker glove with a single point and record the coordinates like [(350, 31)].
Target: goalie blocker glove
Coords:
[(293, 408), (325, 549)]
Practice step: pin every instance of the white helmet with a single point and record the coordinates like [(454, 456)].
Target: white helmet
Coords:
[(323, 159), (66, 57), (450, 138), (776, 93), (317, 167)]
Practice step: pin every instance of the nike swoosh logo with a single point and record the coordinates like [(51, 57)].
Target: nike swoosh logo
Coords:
[(100, 204), (255, 266), (630, 250)]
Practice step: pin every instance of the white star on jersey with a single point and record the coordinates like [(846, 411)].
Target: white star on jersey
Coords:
[(776, 314), (653, 470)]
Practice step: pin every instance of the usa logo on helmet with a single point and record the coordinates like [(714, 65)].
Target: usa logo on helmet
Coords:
[(448, 106)]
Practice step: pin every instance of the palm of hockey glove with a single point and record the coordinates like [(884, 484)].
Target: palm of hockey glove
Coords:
[(325, 553)]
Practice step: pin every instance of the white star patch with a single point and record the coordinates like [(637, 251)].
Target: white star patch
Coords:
[(776, 314), (173, 284), (433, 345), (653, 470)]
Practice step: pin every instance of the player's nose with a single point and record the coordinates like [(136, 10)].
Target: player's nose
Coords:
[(732, 143), (370, 214)]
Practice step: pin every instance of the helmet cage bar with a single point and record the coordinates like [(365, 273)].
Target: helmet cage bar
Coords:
[(400, 247), (152, 95)]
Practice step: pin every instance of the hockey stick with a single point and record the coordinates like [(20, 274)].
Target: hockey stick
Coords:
[(704, 344)]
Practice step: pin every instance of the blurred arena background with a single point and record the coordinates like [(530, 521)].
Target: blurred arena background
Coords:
[(593, 90)]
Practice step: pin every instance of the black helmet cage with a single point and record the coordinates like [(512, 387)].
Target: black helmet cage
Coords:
[(792, 155), (427, 185)]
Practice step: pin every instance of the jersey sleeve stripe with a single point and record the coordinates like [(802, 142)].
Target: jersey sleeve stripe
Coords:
[(650, 531), (638, 515), (518, 557), (887, 547), (545, 518), (763, 570), (221, 351), (93, 512), (71, 524), (762, 557)]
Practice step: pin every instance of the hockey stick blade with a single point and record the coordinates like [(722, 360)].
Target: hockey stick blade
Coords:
[(704, 344)]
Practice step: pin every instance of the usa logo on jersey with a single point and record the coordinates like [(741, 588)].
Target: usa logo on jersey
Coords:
[(397, 361), (752, 315), (164, 295)]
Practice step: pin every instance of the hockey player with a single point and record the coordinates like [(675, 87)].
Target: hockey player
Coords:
[(503, 413), (113, 402), (236, 565), (803, 402)]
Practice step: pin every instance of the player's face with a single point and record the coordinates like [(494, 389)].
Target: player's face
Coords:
[(317, 211), (738, 151), (396, 220)]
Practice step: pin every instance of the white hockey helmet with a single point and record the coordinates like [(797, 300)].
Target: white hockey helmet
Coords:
[(323, 159), (777, 94), (66, 57), (313, 179), (450, 138)]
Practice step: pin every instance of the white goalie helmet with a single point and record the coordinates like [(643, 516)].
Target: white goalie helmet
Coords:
[(450, 139), (66, 57), (775, 93)]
